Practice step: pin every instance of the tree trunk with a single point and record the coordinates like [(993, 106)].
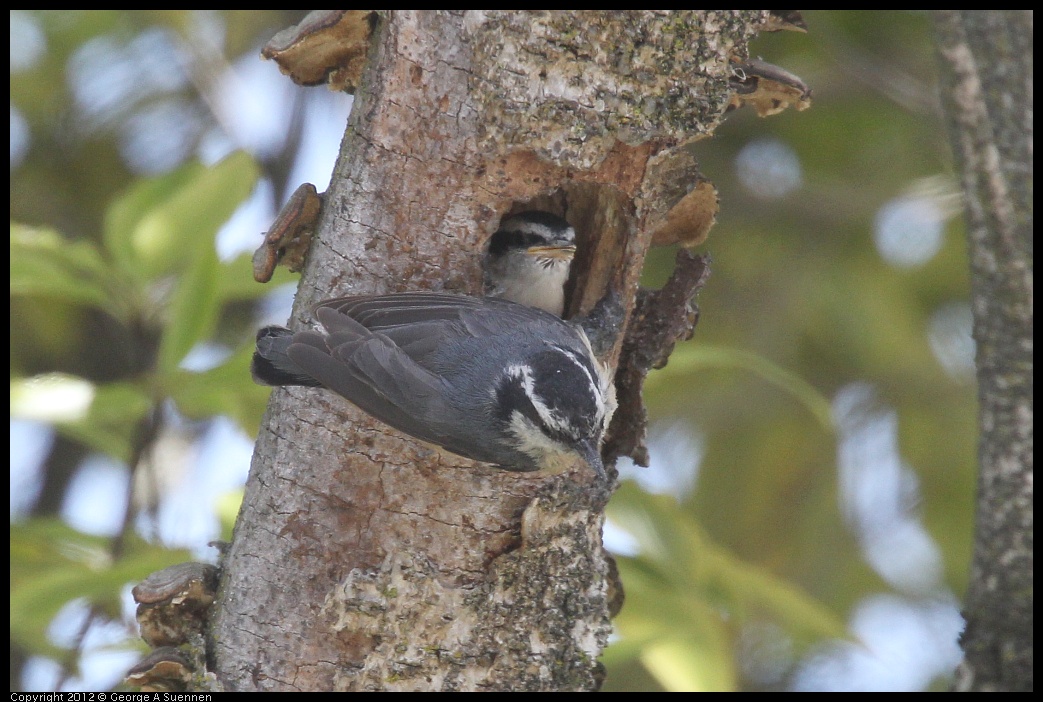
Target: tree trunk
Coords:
[(986, 60), (362, 559)]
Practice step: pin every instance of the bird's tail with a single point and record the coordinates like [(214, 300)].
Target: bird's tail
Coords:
[(271, 365)]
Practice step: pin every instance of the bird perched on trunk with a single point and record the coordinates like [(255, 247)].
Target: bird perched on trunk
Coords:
[(484, 378)]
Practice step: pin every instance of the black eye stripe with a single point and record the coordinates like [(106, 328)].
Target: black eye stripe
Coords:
[(557, 390), (511, 397), (504, 240), (580, 359)]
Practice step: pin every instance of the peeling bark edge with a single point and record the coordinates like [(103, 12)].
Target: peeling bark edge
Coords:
[(661, 318)]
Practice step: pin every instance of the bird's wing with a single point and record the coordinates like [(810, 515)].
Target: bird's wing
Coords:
[(369, 370), (422, 323), (381, 312)]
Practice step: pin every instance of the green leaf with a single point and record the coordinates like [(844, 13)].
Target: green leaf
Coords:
[(113, 419), (161, 225), (682, 571), (757, 592), (690, 664), (45, 264), (227, 389), (654, 607), (103, 417), (193, 310), (236, 281), (689, 358), (53, 564), (672, 548), (128, 210), (227, 508), (680, 637), (203, 290)]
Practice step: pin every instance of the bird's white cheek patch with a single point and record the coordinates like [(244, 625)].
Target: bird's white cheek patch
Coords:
[(549, 454)]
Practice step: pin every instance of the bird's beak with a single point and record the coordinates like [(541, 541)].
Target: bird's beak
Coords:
[(563, 253), (593, 457)]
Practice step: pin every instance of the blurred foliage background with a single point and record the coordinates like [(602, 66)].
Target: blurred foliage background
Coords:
[(806, 522)]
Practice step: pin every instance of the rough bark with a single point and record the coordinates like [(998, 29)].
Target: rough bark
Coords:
[(363, 560), (986, 60)]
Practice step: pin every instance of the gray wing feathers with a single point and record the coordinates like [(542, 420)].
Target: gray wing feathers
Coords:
[(421, 323), (371, 372), (270, 364), (401, 309)]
